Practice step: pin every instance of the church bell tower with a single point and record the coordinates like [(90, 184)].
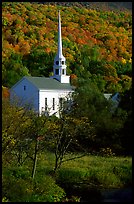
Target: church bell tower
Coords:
[(59, 67)]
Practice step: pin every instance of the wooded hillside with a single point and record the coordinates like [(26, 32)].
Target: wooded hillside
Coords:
[(39, 153), (97, 44), (112, 6)]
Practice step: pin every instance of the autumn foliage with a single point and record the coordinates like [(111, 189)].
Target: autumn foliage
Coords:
[(5, 92), (29, 32)]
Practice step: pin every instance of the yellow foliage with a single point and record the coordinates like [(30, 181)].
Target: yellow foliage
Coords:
[(130, 60), (123, 61)]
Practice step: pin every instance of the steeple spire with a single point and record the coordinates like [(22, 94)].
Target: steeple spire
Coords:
[(59, 67), (59, 37)]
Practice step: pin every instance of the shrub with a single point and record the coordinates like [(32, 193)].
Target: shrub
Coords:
[(47, 190), (18, 186), (4, 199), (106, 152), (70, 176), (124, 173)]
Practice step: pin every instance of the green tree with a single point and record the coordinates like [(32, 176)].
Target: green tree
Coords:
[(23, 133), (90, 102), (64, 137), (15, 69), (126, 131), (14, 123), (36, 134), (39, 62)]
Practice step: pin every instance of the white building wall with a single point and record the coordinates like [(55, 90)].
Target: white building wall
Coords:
[(50, 94), (24, 93), (34, 98), (107, 95)]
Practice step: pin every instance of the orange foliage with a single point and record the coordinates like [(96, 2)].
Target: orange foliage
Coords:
[(24, 47), (73, 79), (112, 79), (24, 29), (8, 16), (82, 28), (73, 76), (80, 41), (5, 92), (48, 49), (16, 48)]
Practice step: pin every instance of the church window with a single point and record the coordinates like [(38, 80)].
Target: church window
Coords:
[(57, 62), (53, 103), (63, 71), (57, 71), (24, 88), (42, 110), (62, 62), (60, 103), (45, 103)]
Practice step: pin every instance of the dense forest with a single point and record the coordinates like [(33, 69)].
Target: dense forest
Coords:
[(97, 44)]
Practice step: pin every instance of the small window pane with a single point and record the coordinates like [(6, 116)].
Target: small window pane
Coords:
[(63, 71), (45, 103), (60, 103), (57, 71), (53, 103), (57, 62), (62, 62)]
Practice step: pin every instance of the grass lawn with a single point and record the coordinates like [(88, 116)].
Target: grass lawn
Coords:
[(72, 179), (107, 172)]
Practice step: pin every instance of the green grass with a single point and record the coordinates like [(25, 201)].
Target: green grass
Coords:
[(106, 172), (88, 171), (18, 186)]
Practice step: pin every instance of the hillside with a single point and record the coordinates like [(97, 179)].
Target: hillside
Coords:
[(111, 6), (86, 153), (97, 44)]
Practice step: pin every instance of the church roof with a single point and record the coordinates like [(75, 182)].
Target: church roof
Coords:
[(48, 83)]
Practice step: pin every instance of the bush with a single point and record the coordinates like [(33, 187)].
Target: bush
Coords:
[(70, 176), (106, 152), (4, 199), (47, 190), (18, 186), (16, 190), (124, 173)]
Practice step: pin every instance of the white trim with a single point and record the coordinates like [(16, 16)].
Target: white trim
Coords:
[(56, 90)]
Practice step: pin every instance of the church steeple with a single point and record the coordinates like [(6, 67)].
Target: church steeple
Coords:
[(59, 67), (59, 37)]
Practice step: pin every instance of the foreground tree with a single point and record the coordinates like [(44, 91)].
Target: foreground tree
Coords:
[(63, 138), (14, 123), (21, 133)]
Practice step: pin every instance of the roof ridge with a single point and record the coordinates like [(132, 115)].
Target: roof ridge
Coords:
[(48, 83)]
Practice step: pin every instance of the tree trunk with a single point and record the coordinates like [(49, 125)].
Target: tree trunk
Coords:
[(35, 159)]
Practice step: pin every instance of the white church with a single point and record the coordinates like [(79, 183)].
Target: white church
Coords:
[(45, 95)]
